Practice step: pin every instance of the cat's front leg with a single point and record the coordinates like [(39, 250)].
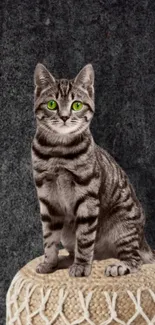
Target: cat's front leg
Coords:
[(52, 224), (86, 213)]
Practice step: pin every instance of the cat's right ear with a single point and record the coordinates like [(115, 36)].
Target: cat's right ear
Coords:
[(42, 78)]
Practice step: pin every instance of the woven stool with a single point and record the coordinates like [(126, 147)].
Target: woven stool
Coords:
[(57, 298)]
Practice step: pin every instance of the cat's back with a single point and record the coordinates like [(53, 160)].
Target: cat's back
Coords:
[(115, 183), (112, 173), (105, 159)]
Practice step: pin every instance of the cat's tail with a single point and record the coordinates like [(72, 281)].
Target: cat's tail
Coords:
[(153, 251), (148, 256)]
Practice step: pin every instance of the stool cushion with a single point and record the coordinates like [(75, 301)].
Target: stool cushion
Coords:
[(57, 298)]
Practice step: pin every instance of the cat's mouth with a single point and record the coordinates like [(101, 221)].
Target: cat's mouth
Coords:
[(67, 127), (64, 128)]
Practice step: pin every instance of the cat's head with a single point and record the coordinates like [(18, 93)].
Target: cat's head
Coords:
[(64, 106)]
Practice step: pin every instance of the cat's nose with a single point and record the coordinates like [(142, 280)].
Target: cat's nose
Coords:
[(64, 118)]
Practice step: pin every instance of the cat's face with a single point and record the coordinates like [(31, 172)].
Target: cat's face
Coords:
[(64, 106)]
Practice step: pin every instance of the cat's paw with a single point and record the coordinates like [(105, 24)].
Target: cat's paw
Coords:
[(44, 268), (79, 270), (117, 269)]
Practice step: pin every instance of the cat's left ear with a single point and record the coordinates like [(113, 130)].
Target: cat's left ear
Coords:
[(85, 78), (42, 78)]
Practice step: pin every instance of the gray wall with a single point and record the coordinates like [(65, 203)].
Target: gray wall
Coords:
[(118, 38)]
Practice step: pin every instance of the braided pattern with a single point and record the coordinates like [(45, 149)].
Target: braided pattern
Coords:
[(40, 299)]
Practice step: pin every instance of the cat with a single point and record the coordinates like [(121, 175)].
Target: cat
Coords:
[(86, 199)]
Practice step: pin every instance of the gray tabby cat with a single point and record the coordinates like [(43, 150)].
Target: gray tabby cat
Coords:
[(86, 200)]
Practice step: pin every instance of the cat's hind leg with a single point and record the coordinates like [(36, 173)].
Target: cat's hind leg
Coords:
[(128, 253), (131, 257), (122, 268)]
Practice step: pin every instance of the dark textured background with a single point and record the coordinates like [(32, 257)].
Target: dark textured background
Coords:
[(118, 38)]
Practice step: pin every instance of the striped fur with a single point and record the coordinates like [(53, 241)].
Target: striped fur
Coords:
[(86, 199)]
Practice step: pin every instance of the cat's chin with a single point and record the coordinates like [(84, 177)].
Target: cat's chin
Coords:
[(64, 129), (68, 129)]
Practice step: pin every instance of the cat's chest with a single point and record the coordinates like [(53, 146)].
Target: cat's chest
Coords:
[(63, 186)]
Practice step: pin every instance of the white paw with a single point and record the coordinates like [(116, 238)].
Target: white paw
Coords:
[(117, 269)]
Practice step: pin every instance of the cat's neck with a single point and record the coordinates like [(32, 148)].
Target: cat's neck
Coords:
[(60, 139)]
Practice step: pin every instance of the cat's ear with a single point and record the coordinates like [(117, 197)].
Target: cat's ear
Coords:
[(42, 78), (85, 78)]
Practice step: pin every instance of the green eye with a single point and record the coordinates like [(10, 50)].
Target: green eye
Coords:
[(77, 106), (52, 104)]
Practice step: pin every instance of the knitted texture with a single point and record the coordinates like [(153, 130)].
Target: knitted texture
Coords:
[(56, 298)]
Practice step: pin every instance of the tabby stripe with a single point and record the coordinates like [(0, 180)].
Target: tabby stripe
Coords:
[(71, 155), (82, 220), (127, 197), (118, 197), (133, 231), (83, 199), (81, 260), (110, 159), (91, 230), (126, 242), (120, 208), (51, 209), (69, 87), (116, 209), (72, 145), (57, 95), (47, 235), (42, 141), (72, 95), (127, 257), (40, 154), (89, 107), (85, 245), (84, 252), (114, 189), (134, 244), (125, 184), (45, 218), (78, 202), (74, 142), (136, 253), (124, 254), (85, 181), (49, 245), (129, 207), (81, 251), (60, 89), (39, 170), (128, 249), (38, 182), (134, 217), (56, 225), (39, 110)]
